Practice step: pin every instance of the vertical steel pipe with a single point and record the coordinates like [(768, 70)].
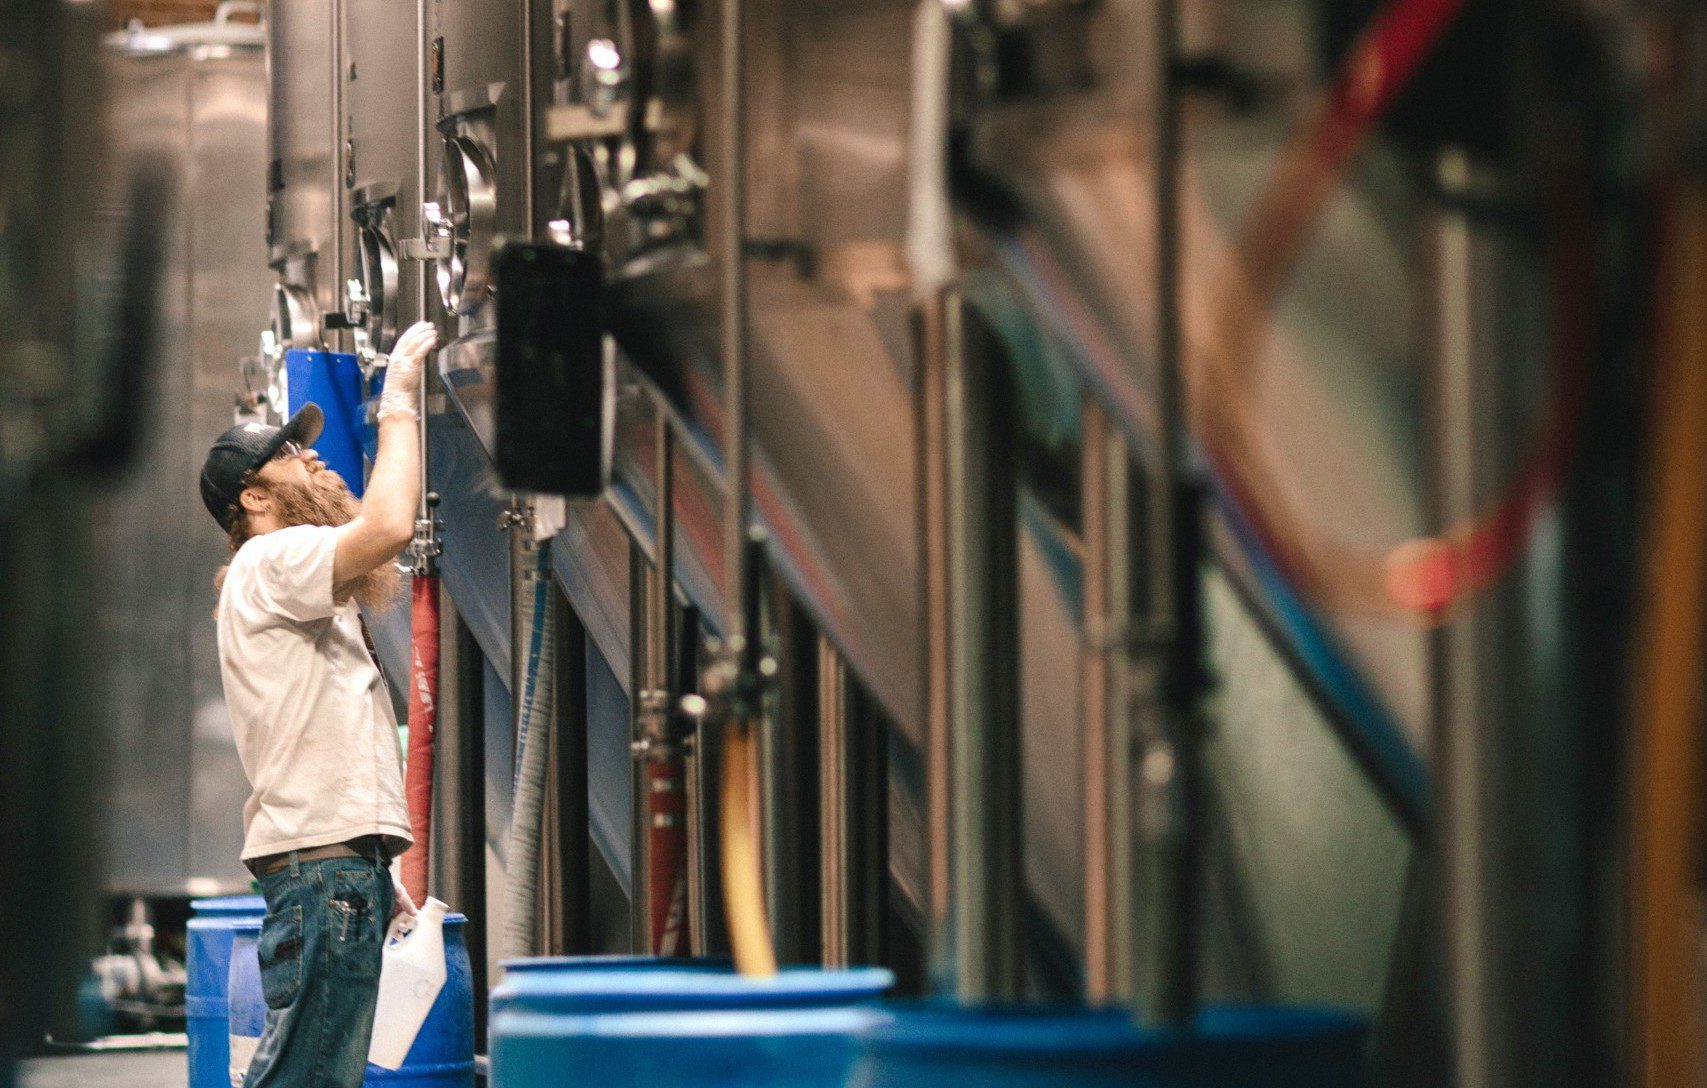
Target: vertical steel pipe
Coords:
[(933, 332), (1458, 669), (834, 809), (1165, 825), (987, 865), (736, 676), (640, 616), (933, 268), (1105, 502), (732, 315)]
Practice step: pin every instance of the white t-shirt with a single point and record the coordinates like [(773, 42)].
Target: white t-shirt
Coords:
[(312, 718)]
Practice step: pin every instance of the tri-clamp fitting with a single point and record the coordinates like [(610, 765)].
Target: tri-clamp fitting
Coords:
[(424, 547)]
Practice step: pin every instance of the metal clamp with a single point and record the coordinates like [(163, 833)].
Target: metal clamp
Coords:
[(358, 312), (436, 233), (424, 547)]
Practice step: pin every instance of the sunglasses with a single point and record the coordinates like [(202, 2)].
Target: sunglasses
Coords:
[(287, 451)]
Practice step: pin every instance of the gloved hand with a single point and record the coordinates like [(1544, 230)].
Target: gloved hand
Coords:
[(402, 391)]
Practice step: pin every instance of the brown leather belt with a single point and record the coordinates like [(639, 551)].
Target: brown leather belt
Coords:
[(368, 846)]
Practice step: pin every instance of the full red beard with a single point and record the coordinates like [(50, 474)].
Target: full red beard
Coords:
[(326, 500)]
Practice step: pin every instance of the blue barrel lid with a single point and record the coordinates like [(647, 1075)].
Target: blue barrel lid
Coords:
[(617, 963), (576, 989), (230, 904), (1056, 1032)]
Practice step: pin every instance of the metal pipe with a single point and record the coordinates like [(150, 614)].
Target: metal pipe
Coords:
[(1105, 502), (640, 684), (424, 513), (736, 675), (732, 312), (334, 270), (988, 895), (933, 332), (1165, 825), (932, 267), (1458, 675), (834, 809)]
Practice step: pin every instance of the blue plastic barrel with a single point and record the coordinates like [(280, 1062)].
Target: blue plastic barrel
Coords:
[(332, 380), (671, 1025), (248, 1005), (207, 964), (945, 1047), (525, 976), (443, 1054)]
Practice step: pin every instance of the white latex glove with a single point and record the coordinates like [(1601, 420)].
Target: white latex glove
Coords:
[(401, 904), (402, 390)]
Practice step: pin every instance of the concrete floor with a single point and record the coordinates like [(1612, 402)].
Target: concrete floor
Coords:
[(145, 1069)]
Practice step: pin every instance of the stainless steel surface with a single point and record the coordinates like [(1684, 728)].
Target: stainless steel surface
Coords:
[(174, 820), (1509, 735), (853, 844), (987, 877), (1106, 704), (54, 387), (483, 109), (305, 201), (938, 322), (1167, 831), (381, 159), (834, 812), (382, 133), (1462, 768), (468, 202), (1080, 172), (729, 251), (642, 681)]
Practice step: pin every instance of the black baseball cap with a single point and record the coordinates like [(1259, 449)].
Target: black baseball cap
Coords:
[(245, 448)]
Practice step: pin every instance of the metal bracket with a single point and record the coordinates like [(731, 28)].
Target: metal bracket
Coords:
[(437, 231), (425, 548)]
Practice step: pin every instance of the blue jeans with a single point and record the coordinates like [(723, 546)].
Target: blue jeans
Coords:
[(320, 950)]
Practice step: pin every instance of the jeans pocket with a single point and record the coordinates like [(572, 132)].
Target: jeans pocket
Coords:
[(280, 949), (354, 903)]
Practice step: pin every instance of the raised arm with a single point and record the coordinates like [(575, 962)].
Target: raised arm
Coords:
[(387, 520)]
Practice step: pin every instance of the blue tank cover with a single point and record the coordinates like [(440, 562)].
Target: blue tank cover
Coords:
[(332, 380), (668, 1024)]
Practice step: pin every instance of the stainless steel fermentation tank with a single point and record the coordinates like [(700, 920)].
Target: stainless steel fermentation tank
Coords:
[(489, 72), (830, 94), (381, 156), (305, 186), (194, 98), (598, 123)]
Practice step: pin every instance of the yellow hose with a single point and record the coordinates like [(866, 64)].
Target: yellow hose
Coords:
[(1666, 831), (743, 876)]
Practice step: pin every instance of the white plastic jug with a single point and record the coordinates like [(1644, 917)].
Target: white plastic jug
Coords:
[(410, 978)]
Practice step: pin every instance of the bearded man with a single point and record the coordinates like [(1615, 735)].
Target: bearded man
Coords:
[(312, 719)]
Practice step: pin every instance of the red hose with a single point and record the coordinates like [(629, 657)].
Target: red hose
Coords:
[(1422, 579), (423, 723)]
